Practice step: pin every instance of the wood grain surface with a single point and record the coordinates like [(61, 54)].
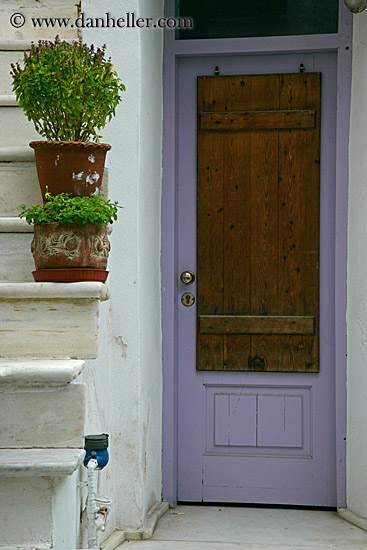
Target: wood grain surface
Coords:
[(258, 222)]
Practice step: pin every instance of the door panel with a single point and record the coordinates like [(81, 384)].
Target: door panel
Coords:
[(258, 222), (257, 421), (251, 436)]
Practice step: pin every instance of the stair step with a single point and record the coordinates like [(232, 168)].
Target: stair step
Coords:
[(40, 405), (18, 185), (17, 262), (42, 291), (50, 320), (28, 32), (22, 130), (6, 58), (37, 373), (16, 153), (39, 500), (15, 45), (12, 224), (44, 417), (8, 100), (40, 462)]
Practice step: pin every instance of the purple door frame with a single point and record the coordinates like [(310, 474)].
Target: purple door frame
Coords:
[(340, 43)]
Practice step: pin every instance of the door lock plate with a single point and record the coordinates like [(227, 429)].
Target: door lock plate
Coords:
[(188, 299)]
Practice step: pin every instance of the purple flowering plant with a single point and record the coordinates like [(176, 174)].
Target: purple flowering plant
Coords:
[(69, 90)]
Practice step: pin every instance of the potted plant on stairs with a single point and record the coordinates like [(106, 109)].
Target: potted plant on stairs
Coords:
[(70, 240), (69, 91)]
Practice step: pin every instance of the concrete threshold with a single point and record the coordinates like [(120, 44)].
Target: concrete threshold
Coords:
[(242, 528)]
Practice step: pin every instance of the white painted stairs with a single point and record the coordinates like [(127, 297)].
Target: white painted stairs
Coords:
[(46, 332), (41, 449)]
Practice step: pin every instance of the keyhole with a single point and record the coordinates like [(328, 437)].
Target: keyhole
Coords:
[(188, 299)]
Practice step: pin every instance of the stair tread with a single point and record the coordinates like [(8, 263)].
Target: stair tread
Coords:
[(37, 372), (13, 224), (39, 291), (39, 462)]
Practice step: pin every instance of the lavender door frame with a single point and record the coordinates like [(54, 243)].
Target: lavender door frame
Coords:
[(340, 43)]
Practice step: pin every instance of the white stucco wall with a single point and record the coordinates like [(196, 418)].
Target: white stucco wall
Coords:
[(125, 383), (357, 278)]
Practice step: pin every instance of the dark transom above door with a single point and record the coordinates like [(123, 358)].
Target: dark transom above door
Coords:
[(258, 223)]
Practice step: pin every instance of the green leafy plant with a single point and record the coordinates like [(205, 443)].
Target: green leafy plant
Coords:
[(68, 90), (63, 209)]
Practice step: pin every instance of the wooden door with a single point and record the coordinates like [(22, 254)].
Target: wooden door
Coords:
[(258, 223), (256, 377)]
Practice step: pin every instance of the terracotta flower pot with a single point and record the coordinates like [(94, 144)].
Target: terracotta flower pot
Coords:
[(60, 247), (70, 166)]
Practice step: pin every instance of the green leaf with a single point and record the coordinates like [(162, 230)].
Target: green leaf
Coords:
[(62, 86), (65, 209)]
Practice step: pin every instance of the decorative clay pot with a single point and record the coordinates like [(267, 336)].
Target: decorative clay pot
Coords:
[(73, 167), (68, 253)]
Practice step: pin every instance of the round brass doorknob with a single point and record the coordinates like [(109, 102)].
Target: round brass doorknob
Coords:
[(187, 277)]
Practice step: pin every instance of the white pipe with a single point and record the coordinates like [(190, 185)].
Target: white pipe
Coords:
[(99, 482), (91, 507)]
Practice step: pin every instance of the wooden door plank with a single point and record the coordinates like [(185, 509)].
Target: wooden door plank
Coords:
[(237, 244), (312, 230), (265, 92), (210, 245), (293, 91), (299, 223), (298, 354), (256, 324), (226, 93), (264, 223), (258, 120)]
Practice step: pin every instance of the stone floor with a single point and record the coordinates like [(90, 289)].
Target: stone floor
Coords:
[(241, 528)]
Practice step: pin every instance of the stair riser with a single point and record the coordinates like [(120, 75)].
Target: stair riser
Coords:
[(19, 185), (20, 130), (51, 419), (17, 263), (48, 328), (39, 513), (6, 58), (60, 8)]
